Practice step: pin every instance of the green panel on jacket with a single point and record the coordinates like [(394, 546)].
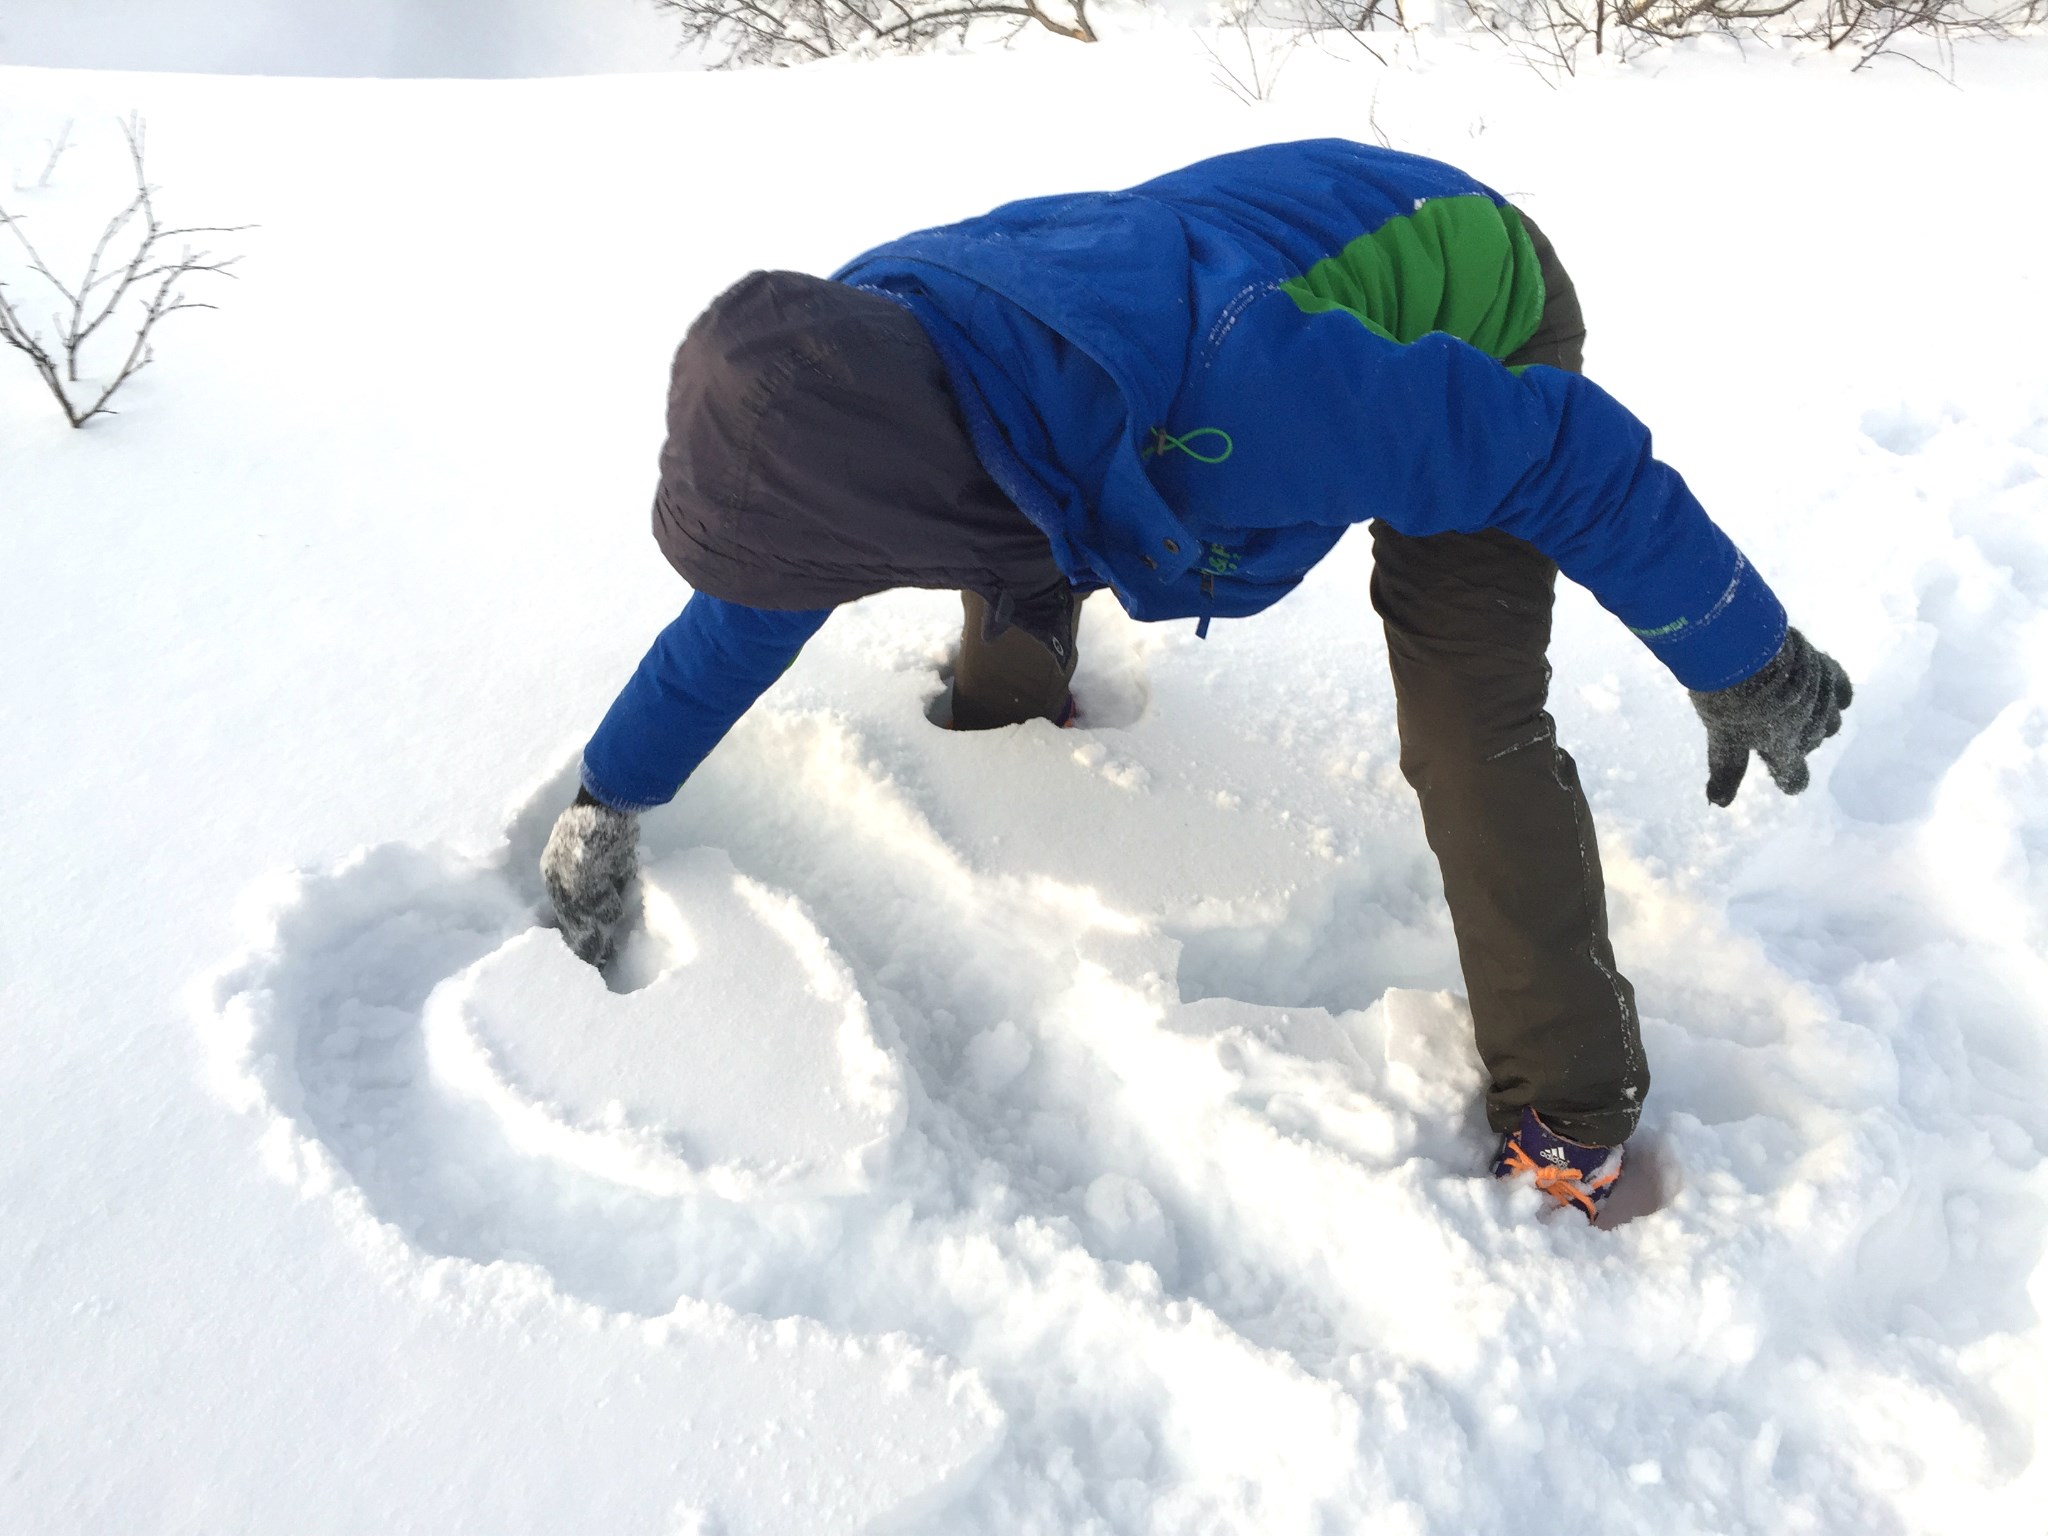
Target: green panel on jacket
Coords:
[(1461, 265)]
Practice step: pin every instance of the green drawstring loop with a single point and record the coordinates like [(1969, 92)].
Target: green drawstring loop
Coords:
[(1165, 442)]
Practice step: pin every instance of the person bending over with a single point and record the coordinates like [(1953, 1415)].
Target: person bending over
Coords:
[(1185, 393)]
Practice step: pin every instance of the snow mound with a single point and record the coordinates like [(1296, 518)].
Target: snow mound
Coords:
[(666, 1088)]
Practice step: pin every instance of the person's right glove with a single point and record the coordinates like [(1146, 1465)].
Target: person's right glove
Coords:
[(588, 866), (1781, 714)]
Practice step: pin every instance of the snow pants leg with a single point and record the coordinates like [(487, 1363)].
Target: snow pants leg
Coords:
[(1468, 624)]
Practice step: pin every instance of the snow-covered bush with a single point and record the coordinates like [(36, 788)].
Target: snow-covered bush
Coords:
[(791, 31), (132, 277), (1558, 31), (1254, 36)]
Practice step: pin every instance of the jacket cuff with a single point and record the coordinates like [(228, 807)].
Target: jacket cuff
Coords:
[(1730, 642), (594, 793)]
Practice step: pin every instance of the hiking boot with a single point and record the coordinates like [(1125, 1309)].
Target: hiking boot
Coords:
[(940, 713), (1570, 1172)]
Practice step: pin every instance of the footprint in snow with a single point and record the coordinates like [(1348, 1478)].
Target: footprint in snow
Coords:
[(1902, 430), (1952, 673)]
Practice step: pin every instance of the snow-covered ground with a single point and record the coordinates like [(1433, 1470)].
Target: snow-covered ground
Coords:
[(1114, 1162)]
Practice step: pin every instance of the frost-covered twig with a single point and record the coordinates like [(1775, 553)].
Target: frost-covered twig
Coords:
[(131, 261), (57, 147)]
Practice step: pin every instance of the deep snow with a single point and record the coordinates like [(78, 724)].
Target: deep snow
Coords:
[(1123, 1175)]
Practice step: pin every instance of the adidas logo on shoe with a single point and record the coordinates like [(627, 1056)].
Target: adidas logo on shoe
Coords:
[(1570, 1172)]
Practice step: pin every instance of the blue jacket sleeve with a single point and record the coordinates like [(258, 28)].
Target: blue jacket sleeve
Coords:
[(701, 674), (1437, 437)]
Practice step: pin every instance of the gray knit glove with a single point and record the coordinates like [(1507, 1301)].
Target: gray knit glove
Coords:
[(1781, 714), (589, 865)]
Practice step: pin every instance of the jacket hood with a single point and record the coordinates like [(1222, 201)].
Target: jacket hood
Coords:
[(816, 454)]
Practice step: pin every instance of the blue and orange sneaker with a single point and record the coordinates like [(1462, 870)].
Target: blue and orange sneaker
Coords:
[(1570, 1172)]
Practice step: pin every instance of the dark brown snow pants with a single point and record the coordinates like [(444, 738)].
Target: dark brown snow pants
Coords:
[(1468, 623)]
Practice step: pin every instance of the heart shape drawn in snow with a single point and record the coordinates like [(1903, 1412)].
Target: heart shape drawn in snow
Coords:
[(747, 1067)]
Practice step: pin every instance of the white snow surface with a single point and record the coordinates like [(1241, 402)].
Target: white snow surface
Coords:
[(405, 38), (1032, 1131), (656, 1089)]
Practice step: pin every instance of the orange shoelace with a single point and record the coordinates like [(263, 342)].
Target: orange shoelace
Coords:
[(1561, 1184)]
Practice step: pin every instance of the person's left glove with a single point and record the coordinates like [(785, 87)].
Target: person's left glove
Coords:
[(588, 865), (1781, 714)]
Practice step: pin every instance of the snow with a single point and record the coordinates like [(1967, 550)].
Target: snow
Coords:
[(1033, 1131), (487, 38), (656, 1091)]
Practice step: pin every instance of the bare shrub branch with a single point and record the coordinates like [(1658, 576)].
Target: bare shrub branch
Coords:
[(1550, 34), (791, 31), (132, 272), (1872, 28), (58, 145), (1249, 67)]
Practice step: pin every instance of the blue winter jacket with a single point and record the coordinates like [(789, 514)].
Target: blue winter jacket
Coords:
[(1193, 388)]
